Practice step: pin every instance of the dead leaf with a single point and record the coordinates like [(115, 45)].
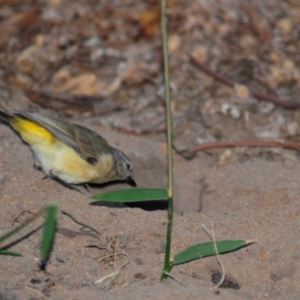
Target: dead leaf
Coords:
[(86, 84), (17, 23), (148, 22)]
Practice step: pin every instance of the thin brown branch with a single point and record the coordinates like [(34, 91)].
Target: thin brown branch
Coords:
[(259, 96), (75, 100), (139, 132), (246, 143), (59, 101), (80, 223)]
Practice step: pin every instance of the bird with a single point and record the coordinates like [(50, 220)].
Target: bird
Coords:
[(69, 153)]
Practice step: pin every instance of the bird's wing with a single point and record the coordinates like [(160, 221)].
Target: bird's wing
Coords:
[(90, 144), (87, 143)]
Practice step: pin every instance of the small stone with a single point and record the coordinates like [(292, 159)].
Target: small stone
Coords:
[(267, 107), (92, 42), (268, 134), (231, 110), (285, 25), (292, 128), (200, 53), (241, 91), (225, 157)]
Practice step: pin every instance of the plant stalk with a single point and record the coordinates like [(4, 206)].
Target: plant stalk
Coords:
[(167, 263)]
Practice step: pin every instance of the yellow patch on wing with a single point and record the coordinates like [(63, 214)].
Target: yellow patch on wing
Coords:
[(31, 132)]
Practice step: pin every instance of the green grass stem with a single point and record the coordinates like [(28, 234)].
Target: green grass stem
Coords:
[(167, 264)]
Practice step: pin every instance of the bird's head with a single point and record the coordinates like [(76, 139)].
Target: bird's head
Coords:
[(123, 166)]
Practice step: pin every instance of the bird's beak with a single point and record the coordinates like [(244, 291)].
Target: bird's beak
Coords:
[(131, 181)]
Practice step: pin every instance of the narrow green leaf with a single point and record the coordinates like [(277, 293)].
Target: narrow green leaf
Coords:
[(48, 230), (207, 249), (133, 195), (8, 252)]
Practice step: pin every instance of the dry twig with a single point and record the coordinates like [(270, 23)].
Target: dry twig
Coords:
[(80, 223), (288, 104), (211, 234), (246, 143)]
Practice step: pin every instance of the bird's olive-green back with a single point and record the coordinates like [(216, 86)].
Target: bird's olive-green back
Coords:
[(87, 143)]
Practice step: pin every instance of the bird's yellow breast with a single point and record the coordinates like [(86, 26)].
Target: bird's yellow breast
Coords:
[(65, 163)]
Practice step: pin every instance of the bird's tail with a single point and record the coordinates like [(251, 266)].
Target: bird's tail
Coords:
[(4, 116)]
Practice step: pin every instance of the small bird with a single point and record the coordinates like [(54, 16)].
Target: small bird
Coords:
[(69, 153)]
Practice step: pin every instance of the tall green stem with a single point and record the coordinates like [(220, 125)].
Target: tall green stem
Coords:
[(167, 264)]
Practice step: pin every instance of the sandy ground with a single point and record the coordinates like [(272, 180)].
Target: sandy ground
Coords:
[(99, 64), (256, 199)]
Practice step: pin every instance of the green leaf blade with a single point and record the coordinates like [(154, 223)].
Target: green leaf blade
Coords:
[(48, 231), (133, 195), (207, 249), (9, 252)]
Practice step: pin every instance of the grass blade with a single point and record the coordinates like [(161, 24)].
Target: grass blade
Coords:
[(48, 231), (9, 252), (133, 195), (207, 249)]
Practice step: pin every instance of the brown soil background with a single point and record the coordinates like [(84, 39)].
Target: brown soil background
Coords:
[(100, 66)]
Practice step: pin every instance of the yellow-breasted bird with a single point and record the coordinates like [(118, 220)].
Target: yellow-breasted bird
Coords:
[(69, 153)]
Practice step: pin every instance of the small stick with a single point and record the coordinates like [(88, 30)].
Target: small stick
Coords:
[(138, 132), (80, 223), (117, 271), (79, 100), (212, 236), (260, 96), (288, 144)]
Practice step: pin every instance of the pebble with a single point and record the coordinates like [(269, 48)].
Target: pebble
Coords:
[(292, 128), (231, 109)]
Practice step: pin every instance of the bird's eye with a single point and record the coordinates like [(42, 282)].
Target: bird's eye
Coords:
[(92, 160)]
